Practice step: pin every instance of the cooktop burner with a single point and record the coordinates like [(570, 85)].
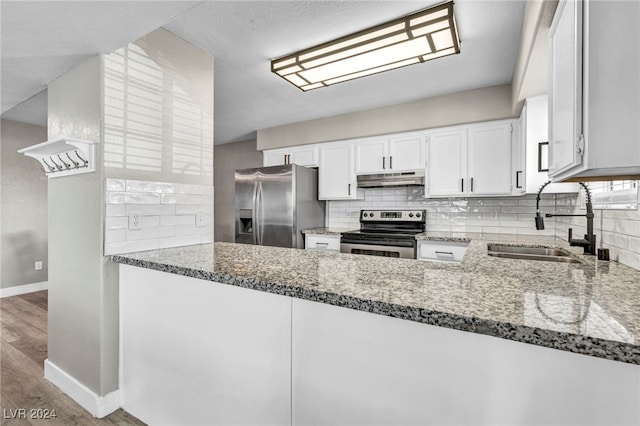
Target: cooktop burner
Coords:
[(388, 225)]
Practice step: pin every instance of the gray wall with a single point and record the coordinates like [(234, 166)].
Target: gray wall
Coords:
[(228, 158), (83, 289), (23, 199), (490, 103)]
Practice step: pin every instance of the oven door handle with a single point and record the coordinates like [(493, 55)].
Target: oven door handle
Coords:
[(403, 252)]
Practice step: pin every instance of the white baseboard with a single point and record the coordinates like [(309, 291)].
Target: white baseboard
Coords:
[(98, 406), (23, 289)]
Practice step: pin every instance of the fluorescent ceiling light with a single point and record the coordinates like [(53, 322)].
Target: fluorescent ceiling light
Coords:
[(428, 34)]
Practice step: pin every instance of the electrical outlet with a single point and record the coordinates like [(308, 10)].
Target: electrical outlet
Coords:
[(38, 265), (135, 221), (200, 219)]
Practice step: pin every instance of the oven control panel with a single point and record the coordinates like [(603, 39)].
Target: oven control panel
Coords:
[(393, 215)]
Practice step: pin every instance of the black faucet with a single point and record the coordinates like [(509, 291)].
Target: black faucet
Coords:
[(589, 240)]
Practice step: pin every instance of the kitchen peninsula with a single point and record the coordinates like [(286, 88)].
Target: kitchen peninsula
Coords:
[(418, 342)]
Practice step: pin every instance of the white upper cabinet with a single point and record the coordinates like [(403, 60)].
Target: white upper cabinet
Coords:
[(447, 167), (594, 90), (471, 160), (305, 155), (389, 154), (565, 87), (407, 152), (371, 155), (336, 178), (489, 159), (535, 131)]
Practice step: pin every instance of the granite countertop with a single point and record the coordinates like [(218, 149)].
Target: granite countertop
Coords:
[(326, 231), (591, 307)]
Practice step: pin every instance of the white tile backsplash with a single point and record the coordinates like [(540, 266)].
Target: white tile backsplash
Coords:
[(181, 199), (494, 215), (168, 215), (145, 186), (619, 230)]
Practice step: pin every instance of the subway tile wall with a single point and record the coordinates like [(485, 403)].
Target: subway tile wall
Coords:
[(490, 215), (168, 215), (617, 230)]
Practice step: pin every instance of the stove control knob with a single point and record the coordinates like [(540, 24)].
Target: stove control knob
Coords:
[(365, 215), (410, 214), (371, 214), (418, 214)]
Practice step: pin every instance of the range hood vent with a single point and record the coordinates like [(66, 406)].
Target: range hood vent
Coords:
[(391, 179)]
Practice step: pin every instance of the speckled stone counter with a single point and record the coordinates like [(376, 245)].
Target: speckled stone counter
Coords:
[(590, 307), (326, 231)]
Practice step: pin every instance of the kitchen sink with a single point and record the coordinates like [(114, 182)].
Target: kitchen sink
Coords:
[(530, 253)]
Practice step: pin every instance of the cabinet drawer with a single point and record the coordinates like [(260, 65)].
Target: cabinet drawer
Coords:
[(322, 242), (444, 251)]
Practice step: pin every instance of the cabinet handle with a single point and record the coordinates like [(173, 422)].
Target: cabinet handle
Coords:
[(288, 158), (285, 158), (462, 185), (322, 244), (349, 189), (471, 184), (444, 253), (391, 162), (384, 159), (518, 179)]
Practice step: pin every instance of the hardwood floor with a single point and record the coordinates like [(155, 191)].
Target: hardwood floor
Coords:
[(23, 349)]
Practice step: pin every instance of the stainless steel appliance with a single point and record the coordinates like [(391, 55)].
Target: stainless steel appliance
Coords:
[(391, 179), (389, 233), (273, 204)]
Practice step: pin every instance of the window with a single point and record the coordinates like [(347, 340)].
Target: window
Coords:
[(617, 194)]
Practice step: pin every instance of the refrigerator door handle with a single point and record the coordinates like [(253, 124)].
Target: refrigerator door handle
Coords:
[(259, 229), (254, 218)]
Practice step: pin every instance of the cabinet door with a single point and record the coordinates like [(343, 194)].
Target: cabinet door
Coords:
[(407, 153), (274, 157), (304, 156), (489, 160), (336, 180), (322, 242), (446, 163), (371, 156), (565, 87)]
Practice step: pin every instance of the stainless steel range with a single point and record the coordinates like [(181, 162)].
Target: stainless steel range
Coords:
[(388, 233)]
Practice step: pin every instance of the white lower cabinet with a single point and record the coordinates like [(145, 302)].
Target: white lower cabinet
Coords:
[(443, 251), (322, 242), (356, 368), (196, 352)]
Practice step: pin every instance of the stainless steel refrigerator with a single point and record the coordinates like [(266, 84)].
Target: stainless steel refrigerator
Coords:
[(273, 205)]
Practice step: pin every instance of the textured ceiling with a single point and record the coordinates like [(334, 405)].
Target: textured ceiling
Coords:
[(42, 40)]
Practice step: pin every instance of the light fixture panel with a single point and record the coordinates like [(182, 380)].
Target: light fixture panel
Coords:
[(421, 36)]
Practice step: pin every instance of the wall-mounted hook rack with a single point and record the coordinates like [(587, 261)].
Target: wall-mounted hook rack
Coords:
[(64, 156)]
